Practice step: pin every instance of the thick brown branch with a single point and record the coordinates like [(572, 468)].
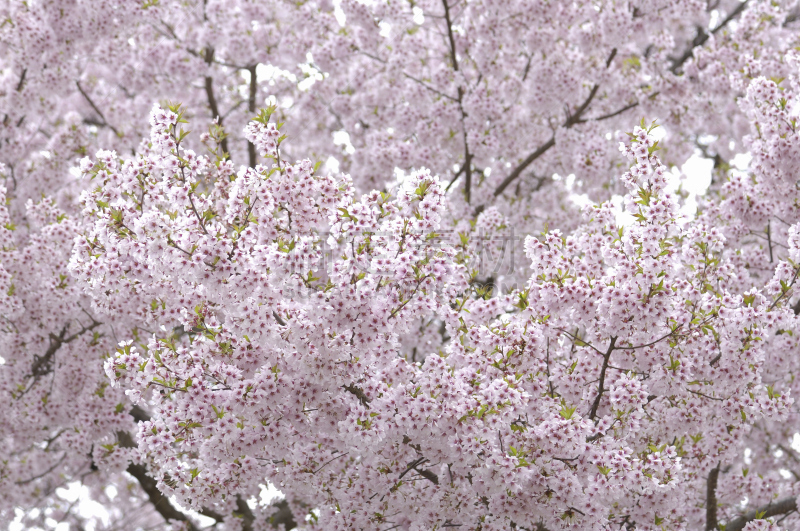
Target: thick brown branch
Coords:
[(702, 37), (278, 318), (711, 498), (212, 104), (572, 119), (251, 106), (243, 511), (283, 516), (212, 101), (575, 117), (150, 486), (450, 35), (784, 506), (524, 164), (358, 393), (169, 512), (427, 474), (139, 414), (159, 501), (596, 404), (22, 79), (467, 167), (43, 364)]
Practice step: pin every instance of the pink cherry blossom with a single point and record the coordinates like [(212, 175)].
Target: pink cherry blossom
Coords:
[(406, 265)]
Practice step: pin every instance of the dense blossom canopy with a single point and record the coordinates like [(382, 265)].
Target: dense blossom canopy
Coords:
[(399, 264)]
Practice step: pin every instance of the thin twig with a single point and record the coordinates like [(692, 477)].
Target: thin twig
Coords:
[(96, 109)]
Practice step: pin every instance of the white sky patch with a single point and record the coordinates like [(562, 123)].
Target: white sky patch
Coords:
[(622, 218), (697, 171), (264, 72), (312, 75), (399, 176), (205, 521), (269, 493), (332, 165), (694, 178), (419, 16), (342, 138), (16, 525), (741, 161), (341, 18), (796, 442), (713, 20)]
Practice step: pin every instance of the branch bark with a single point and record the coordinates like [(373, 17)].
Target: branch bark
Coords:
[(160, 502), (702, 37), (467, 167), (784, 506), (168, 511), (596, 404), (150, 486), (572, 119), (96, 109), (541, 150), (43, 364), (251, 106), (677, 64), (711, 498), (212, 101)]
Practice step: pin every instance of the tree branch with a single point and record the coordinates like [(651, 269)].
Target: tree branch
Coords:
[(283, 516), (243, 510), (467, 167), (170, 512), (596, 404), (572, 119), (96, 109), (702, 37), (784, 506), (160, 502), (42, 364), (251, 106), (711, 498), (610, 115), (21, 82), (524, 164), (358, 393), (150, 486), (450, 35), (212, 101)]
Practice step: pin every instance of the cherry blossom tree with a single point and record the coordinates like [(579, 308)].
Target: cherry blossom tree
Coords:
[(416, 264)]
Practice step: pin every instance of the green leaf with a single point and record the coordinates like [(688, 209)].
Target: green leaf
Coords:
[(566, 411)]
